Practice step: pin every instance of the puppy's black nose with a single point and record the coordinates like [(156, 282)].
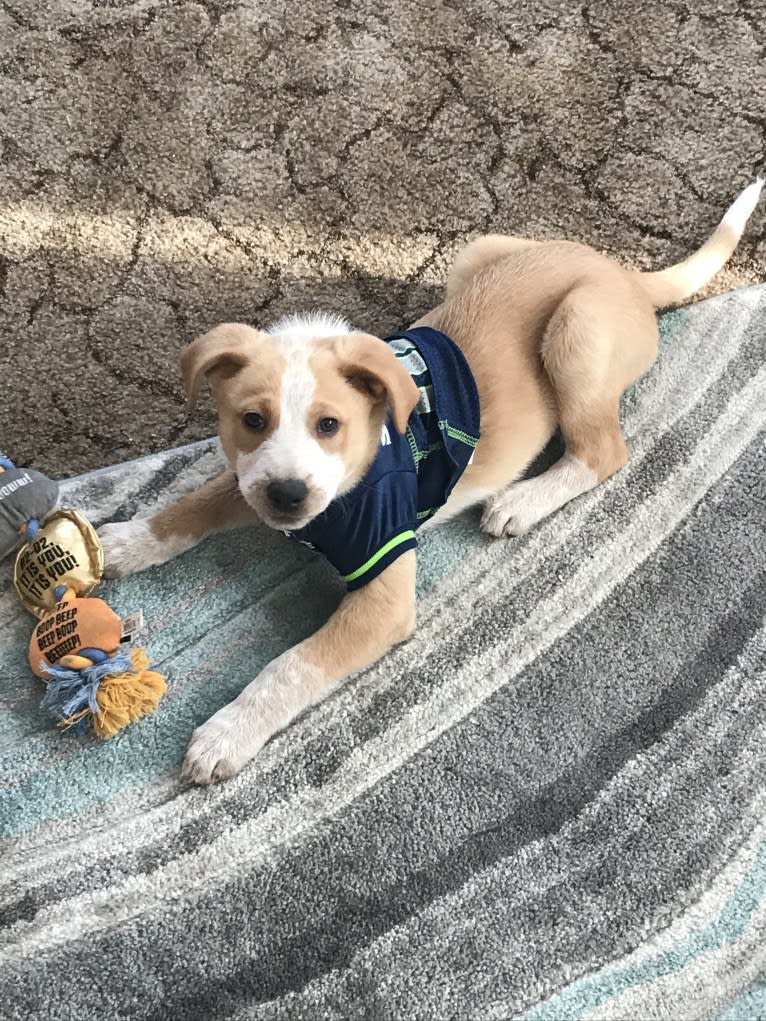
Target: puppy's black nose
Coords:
[(287, 494)]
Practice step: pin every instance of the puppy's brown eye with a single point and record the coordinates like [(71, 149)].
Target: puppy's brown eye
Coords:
[(254, 421), (327, 426)]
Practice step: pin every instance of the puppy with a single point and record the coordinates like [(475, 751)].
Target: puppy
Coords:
[(349, 443)]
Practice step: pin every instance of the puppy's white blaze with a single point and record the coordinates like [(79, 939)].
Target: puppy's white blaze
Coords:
[(293, 451), (309, 325)]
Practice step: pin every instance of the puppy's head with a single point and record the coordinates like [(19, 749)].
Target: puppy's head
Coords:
[(300, 409)]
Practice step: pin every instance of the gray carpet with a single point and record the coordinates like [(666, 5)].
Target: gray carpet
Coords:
[(166, 165), (548, 804)]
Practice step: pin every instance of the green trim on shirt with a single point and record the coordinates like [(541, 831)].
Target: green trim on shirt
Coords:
[(396, 541), (458, 434)]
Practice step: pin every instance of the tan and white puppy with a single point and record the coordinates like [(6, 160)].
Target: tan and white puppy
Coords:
[(553, 332)]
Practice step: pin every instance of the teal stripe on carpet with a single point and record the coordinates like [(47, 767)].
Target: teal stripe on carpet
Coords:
[(751, 1006), (583, 997)]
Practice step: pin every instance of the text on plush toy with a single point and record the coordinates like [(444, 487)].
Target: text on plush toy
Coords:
[(58, 634), (43, 564), (14, 484)]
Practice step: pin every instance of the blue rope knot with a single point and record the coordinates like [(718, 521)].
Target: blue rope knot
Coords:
[(70, 691)]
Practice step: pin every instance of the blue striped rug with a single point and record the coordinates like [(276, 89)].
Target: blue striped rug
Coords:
[(548, 804)]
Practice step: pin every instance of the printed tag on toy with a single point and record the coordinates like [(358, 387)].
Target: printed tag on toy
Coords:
[(132, 625), (65, 551)]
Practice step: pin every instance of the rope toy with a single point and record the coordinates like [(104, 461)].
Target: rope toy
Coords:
[(78, 645)]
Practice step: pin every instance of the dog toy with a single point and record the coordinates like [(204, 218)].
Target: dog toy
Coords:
[(78, 647), (26, 496)]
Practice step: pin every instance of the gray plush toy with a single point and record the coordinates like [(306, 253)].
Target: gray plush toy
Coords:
[(26, 496)]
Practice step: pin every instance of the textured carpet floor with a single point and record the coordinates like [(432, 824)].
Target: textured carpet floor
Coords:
[(548, 804), (168, 165)]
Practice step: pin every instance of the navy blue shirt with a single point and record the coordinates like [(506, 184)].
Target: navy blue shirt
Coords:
[(411, 477)]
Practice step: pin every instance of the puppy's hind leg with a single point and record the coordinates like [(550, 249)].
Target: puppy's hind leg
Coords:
[(520, 506), (579, 351)]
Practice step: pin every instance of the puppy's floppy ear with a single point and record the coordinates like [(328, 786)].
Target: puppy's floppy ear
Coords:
[(370, 365), (226, 349)]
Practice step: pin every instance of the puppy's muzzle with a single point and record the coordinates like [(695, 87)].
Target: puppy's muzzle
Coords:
[(287, 496)]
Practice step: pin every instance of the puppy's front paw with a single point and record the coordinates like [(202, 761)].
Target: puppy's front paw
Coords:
[(511, 512), (131, 546), (221, 747), (127, 547)]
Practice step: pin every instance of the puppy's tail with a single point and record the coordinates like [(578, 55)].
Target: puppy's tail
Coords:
[(677, 282)]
